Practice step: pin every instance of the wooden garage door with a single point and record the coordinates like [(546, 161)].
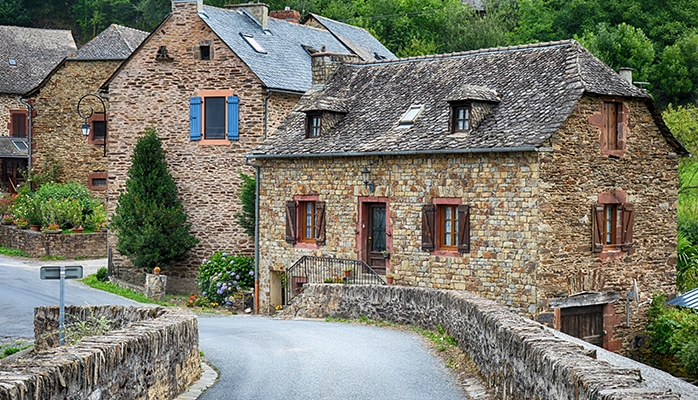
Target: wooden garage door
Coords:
[(585, 323)]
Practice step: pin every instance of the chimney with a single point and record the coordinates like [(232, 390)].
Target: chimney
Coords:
[(259, 11), (186, 6), (325, 64), (626, 74), (288, 15)]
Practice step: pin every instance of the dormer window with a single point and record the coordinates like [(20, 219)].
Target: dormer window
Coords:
[(460, 114), (411, 115), (314, 125)]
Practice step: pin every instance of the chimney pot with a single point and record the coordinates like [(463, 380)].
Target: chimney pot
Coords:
[(626, 74)]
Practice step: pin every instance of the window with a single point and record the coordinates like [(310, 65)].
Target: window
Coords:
[(98, 128), (612, 222), (411, 115), (446, 227), (314, 125), (12, 62), (205, 52), (97, 181), (612, 122), (18, 123), (213, 117), (20, 145), (163, 54), (305, 221), (253, 43), (460, 118)]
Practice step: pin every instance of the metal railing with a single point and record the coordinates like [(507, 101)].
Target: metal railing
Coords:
[(309, 269)]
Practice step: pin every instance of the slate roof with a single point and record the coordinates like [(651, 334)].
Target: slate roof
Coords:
[(688, 299), (537, 87), (114, 43), (359, 40), (286, 64), (36, 52), (9, 150)]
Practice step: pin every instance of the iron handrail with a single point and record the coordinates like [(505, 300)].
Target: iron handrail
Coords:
[(311, 269)]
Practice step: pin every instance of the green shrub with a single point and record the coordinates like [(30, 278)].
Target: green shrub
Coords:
[(65, 212), (221, 275), (689, 227), (7, 203), (689, 357), (102, 274), (69, 205), (26, 207)]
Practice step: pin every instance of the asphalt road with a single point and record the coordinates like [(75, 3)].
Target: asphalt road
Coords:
[(21, 289), (266, 358)]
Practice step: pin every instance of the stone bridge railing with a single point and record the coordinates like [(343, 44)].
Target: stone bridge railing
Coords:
[(155, 355), (518, 358)]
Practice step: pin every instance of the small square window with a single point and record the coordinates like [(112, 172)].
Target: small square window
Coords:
[(314, 127), (99, 182), (205, 52)]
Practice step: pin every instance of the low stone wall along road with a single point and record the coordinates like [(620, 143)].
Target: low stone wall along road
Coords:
[(265, 358)]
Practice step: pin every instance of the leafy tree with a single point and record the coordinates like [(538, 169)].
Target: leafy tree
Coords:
[(247, 195), (677, 72), (687, 263), (150, 223), (13, 12)]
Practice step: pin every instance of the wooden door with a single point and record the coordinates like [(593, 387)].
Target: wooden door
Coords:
[(376, 238), (585, 323)]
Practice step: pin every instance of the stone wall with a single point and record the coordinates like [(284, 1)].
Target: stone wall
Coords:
[(57, 134), (37, 244), (8, 102), (517, 357), (501, 189), (156, 92), (154, 356), (572, 175)]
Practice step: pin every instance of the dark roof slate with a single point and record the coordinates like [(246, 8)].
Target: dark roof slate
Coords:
[(8, 148), (538, 86), (359, 40), (286, 64), (114, 43), (36, 53)]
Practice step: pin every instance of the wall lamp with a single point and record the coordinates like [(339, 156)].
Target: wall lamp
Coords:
[(366, 176), (85, 127)]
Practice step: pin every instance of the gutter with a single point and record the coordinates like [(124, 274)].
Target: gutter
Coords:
[(400, 153), (29, 134), (256, 234)]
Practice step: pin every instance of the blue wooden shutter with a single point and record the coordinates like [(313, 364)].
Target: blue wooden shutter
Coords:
[(233, 108), (195, 118)]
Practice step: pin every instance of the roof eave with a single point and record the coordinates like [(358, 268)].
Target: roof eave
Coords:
[(522, 149)]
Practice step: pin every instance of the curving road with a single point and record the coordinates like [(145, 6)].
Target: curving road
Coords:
[(265, 358)]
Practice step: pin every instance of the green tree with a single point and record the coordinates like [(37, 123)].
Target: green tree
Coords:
[(677, 72), (150, 223), (246, 218), (13, 12)]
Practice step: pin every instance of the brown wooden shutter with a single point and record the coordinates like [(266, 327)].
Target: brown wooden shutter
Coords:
[(18, 125), (463, 229), (320, 223), (627, 212), (291, 222), (428, 213), (597, 228)]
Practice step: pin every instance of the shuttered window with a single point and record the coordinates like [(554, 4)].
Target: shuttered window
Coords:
[(446, 227), (214, 117), (612, 226), (305, 222), (18, 123)]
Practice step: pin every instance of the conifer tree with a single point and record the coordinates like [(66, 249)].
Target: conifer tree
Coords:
[(151, 225), (247, 195)]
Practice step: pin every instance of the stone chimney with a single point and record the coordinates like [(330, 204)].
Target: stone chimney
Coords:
[(288, 15), (325, 64), (181, 7), (259, 11), (626, 74)]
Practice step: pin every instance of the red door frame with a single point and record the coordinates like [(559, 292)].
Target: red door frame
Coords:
[(362, 232)]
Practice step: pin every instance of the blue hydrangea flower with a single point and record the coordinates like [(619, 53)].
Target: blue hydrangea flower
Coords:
[(252, 272)]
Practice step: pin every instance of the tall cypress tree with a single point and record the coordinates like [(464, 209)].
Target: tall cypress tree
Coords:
[(150, 223)]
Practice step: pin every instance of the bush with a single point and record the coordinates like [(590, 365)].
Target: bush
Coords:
[(674, 332), (222, 275), (102, 274), (7, 203), (69, 205), (65, 212), (26, 207)]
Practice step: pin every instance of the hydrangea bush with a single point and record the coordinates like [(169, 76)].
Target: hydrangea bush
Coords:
[(221, 275)]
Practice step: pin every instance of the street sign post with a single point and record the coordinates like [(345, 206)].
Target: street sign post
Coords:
[(62, 272)]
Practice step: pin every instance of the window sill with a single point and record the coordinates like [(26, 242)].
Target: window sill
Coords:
[(446, 253), (611, 253), (214, 142), (97, 142), (311, 246)]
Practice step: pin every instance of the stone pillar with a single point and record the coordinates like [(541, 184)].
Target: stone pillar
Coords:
[(155, 286)]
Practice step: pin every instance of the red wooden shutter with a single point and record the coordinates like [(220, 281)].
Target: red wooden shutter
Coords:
[(463, 229), (291, 222), (597, 228), (18, 124), (627, 212), (428, 212), (320, 223)]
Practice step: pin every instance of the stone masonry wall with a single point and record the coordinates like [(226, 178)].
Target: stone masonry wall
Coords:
[(150, 92), (571, 177), (517, 357), (500, 188), (155, 356), (37, 244), (57, 133), (8, 102)]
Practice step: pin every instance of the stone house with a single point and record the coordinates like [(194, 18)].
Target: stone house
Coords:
[(57, 136), (213, 82), (532, 175), (29, 55)]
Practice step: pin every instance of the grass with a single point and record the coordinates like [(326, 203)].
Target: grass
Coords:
[(51, 258), (363, 320), (8, 349), (439, 337), (92, 281), (6, 251)]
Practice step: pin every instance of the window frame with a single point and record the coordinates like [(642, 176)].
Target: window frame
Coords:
[(11, 124), (296, 222), (224, 119), (304, 225), (433, 232), (620, 229), (97, 117), (454, 116), (310, 128), (608, 128), (97, 175), (231, 111)]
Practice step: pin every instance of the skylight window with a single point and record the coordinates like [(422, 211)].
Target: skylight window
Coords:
[(253, 43), (21, 145), (12, 61), (411, 115)]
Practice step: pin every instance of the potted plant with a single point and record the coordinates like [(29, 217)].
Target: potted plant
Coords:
[(389, 278), (347, 271), (103, 226), (52, 228), (22, 223), (78, 229), (7, 219), (385, 254), (156, 270)]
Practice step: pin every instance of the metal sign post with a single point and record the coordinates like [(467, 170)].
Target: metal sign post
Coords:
[(62, 273)]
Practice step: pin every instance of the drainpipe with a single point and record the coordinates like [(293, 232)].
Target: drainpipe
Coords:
[(256, 233), (29, 134)]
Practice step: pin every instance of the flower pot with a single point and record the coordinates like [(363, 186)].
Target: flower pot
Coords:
[(347, 273), (389, 280), (78, 230), (156, 270), (35, 228)]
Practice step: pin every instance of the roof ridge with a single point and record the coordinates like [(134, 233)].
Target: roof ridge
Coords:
[(490, 50), (339, 22)]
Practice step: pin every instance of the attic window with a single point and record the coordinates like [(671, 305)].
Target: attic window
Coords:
[(460, 117), (205, 52), (411, 115), (313, 125), (253, 43), (12, 61), (162, 54), (21, 145)]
